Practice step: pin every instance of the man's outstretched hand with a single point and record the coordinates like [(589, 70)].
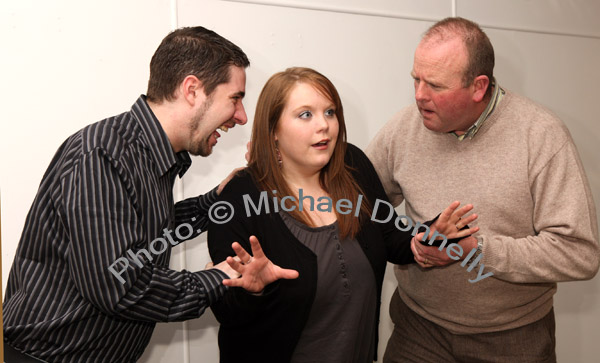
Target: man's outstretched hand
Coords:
[(256, 271)]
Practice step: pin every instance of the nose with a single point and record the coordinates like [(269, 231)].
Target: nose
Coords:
[(420, 91), (322, 123), (240, 116)]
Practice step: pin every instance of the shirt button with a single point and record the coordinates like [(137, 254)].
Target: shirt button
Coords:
[(344, 275), (335, 237)]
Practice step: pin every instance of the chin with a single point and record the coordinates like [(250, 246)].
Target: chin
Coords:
[(432, 125), (201, 150), (324, 163)]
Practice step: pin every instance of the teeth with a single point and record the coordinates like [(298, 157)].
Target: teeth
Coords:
[(223, 128)]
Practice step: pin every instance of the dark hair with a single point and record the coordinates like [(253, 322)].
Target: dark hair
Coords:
[(192, 51), (479, 48), (335, 177)]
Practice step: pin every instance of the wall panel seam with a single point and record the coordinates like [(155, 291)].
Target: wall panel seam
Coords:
[(393, 15), (179, 187)]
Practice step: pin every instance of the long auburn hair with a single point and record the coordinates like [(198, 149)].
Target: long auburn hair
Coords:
[(335, 177)]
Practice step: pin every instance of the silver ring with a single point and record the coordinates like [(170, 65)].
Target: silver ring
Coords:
[(249, 260), (427, 261)]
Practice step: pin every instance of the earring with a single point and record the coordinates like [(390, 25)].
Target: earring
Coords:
[(278, 156)]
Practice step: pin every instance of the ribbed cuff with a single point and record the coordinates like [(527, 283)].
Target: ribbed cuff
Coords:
[(212, 280)]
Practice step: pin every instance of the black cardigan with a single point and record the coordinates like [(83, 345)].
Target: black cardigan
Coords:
[(266, 328)]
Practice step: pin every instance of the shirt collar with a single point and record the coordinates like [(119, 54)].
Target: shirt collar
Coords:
[(157, 141), (497, 94)]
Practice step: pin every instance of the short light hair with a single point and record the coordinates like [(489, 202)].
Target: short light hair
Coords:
[(480, 52)]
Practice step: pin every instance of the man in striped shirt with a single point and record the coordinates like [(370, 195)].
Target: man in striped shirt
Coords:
[(91, 275)]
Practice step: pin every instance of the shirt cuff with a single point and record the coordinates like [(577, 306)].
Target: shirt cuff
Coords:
[(212, 281)]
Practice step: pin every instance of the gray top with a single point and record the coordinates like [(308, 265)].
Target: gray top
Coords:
[(341, 323)]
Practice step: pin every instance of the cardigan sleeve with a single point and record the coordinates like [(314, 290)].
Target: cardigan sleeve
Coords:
[(238, 305), (395, 233)]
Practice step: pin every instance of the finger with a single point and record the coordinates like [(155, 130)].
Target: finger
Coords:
[(465, 232), (420, 263), (415, 246), (234, 264), (447, 213), (466, 220), (284, 273), (257, 250), (419, 237), (240, 252), (233, 283), (462, 211)]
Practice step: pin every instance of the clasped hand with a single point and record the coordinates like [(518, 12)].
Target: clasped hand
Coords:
[(449, 224)]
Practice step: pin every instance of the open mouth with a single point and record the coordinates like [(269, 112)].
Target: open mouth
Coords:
[(322, 144), (225, 127), (426, 112)]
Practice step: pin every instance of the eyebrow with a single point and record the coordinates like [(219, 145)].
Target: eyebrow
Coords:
[(301, 108), (239, 94), (309, 107), (433, 83)]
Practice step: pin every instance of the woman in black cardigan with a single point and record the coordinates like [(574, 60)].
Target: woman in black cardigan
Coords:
[(309, 197)]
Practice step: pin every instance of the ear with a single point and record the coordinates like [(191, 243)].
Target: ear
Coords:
[(192, 90), (480, 86)]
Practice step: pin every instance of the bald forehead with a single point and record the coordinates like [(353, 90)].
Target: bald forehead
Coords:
[(440, 62), (449, 49), (442, 36)]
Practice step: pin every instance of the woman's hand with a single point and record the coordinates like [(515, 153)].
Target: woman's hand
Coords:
[(256, 271), (431, 256)]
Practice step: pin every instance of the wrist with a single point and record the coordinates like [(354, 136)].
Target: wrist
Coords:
[(479, 250)]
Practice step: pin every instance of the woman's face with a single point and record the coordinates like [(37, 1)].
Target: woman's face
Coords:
[(307, 130)]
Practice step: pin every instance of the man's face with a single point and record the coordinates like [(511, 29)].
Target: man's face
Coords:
[(441, 98), (223, 109)]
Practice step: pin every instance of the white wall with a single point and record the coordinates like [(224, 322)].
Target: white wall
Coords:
[(66, 64)]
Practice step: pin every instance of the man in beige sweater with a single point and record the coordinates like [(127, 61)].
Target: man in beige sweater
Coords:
[(468, 139)]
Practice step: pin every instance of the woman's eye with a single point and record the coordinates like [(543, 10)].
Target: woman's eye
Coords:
[(305, 114), (330, 112)]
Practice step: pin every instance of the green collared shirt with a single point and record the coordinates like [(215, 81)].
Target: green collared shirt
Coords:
[(497, 94)]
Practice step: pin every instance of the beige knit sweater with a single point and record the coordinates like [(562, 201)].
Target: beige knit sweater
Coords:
[(522, 173)]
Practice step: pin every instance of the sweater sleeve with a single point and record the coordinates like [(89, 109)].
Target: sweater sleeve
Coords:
[(565, 246), (380, 152), (396, 234)]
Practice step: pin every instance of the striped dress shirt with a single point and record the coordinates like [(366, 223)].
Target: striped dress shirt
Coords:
[(107, 196)]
